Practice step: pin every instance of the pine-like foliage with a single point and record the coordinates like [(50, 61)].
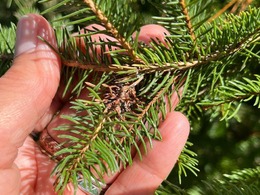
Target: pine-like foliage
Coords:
[(245, 181), (242, 182), (126, 83)]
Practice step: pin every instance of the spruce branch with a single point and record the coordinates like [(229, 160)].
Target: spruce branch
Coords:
[(245, 181), (118, 124), (127, 88), (153, 67), (248, 176)]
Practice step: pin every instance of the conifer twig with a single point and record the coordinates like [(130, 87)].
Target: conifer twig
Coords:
[(112, 29), (87, 146), (188, 21)]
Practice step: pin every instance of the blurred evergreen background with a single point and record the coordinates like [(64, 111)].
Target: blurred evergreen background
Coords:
[(221, 147)]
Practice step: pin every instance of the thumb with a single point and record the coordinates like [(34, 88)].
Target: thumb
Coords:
[(28, 87)]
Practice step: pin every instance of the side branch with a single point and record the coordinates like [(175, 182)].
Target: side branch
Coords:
[(141, 68), (133, 67), (87, 146), (112, 29), (188, 21)]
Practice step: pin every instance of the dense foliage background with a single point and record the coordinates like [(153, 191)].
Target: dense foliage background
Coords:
[(221, 146)]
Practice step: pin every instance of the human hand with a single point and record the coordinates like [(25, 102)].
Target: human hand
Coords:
[(28, 102)]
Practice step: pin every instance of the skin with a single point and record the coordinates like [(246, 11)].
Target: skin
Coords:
[(28, 101)]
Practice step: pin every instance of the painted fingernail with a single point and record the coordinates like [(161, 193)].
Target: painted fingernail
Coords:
[(29, 29), (25, 35)]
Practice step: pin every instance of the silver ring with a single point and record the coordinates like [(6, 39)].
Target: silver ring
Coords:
[(93, 188)]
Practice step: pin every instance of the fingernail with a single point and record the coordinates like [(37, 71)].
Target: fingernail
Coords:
[(29, 29)]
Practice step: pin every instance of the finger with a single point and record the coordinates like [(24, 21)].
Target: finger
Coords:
[(28, 87), (151, 32), (148, 173)]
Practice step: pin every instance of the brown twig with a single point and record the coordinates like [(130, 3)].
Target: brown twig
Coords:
[(241, 6), (222, 10)]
